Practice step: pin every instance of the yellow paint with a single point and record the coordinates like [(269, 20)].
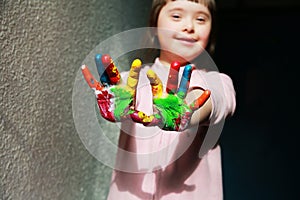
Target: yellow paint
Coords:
[(136, 63), (133, 76), (132, 82), (144, 117), (116, 72), (114, 69), (156, 84)]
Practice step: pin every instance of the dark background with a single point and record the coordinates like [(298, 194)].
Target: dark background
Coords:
[(257, 45)]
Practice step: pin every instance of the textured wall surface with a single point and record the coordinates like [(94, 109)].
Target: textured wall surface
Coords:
[(43, 43)]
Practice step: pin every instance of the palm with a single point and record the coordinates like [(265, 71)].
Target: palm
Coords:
[(171, 111), (114, 99)]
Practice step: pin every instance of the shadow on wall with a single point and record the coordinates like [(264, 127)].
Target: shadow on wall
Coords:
[(43, 44)]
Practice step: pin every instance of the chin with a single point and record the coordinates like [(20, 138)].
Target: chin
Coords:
[(189, 55)]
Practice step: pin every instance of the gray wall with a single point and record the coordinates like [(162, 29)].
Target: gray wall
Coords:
[(43, 43)]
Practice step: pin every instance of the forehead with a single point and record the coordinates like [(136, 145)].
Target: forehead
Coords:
[(188, 6), (203, 2)]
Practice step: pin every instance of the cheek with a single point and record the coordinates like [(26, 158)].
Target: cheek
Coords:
[(164, 24), (165, 35), (206, 40), (204, 35)]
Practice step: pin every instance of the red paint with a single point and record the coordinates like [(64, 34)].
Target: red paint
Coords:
[(185, 120), (104, 104), (111, 69), (106, 59), (173, 78)]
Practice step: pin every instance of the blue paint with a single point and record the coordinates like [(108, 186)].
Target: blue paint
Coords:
[(104, 79), (185, 81)]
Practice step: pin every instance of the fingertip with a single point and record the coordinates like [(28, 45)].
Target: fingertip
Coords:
[(150, 73), (153, 78), (193, 66), (106, 59), (189, 67), (85, 70), (207, 92), (98, 57), (136, 63), (175, 65), (187, 71)]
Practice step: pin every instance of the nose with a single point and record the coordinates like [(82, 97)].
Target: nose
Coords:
[(188, 26)]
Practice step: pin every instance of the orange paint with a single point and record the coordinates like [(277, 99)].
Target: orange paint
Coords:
[(201, 100), (92, 82)]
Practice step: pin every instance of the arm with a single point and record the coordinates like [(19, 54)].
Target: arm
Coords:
[(222, 101)]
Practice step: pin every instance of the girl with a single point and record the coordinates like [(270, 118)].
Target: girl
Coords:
[(172, 168), (153, 163)]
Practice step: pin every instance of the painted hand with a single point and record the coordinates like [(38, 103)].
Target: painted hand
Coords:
[(115, 101), (171, 112)]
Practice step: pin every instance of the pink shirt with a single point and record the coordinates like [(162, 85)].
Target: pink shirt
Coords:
[(167, 165)]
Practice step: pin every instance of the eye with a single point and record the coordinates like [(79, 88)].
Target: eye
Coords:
[(176, 16), (201, 20)]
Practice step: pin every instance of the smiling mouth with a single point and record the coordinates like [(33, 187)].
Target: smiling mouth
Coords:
[(187, 40)]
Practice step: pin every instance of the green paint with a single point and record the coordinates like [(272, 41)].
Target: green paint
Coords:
[(181, 94), (171, 108), (123, 98)]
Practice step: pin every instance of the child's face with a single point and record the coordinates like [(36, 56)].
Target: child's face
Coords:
[(190, 25)]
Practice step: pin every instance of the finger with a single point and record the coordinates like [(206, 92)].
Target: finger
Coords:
[(156, 84), (101, 70), (185, 81), (133, 76), (111, 70), (92, 82), (173, 78), (201, 100), (141, 117)]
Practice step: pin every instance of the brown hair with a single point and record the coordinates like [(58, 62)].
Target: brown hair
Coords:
[(157, 5)]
